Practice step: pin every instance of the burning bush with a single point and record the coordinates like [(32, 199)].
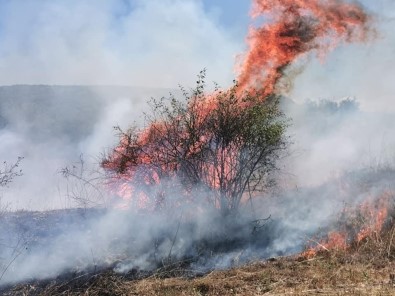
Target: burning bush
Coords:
[(226, 144), (216, 147)]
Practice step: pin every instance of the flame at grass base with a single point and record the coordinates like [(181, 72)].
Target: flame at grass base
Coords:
[(356, 224)]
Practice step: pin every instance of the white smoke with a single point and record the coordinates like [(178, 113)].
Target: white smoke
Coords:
[(156, 43), (51, 127)]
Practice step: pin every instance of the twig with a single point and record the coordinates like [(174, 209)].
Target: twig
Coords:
[(318, 243), (93, 259), (259, 223), (390, 242), (174, 239), (72, 280), (16, 253)]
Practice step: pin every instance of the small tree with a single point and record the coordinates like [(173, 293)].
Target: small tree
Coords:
[(225, 143), (9, 171)]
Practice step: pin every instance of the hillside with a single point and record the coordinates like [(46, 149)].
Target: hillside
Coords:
[(47, 111)]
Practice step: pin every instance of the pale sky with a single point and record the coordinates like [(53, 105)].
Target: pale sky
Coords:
[(156, 43)]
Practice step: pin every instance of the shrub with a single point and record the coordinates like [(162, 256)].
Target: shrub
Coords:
[(225, 144)]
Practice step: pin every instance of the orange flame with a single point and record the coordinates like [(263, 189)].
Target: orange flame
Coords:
[(374, 215), (333, 241), (368, 220), (296, 28)]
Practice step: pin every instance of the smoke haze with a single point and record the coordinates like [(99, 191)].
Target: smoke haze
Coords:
[(152, 46)]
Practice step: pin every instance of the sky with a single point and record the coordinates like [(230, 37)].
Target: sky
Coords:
[(163, 43), (119, 42)]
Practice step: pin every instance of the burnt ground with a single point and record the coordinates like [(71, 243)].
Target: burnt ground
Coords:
[(325, 274), (23, 233), (365, 268), (53, 243)]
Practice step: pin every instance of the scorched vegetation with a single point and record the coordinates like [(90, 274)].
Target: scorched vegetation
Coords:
[(219, 148)]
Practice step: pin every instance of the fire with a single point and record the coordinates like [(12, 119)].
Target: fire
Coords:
[(374, 216), (296, 27), (366, 221), (334, 241)]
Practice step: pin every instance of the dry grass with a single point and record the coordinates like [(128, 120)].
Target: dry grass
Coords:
[(325, 276), (343, 274)]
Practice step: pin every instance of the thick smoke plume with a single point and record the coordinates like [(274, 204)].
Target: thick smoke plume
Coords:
[(294, 29)]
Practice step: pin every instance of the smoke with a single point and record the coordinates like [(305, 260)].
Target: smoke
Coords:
[(51, 126), (138, 240), (161, 43), (331, 138)]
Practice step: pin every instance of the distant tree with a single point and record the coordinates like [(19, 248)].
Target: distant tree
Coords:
[(324, 116), (224, 144), (329, 107)]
